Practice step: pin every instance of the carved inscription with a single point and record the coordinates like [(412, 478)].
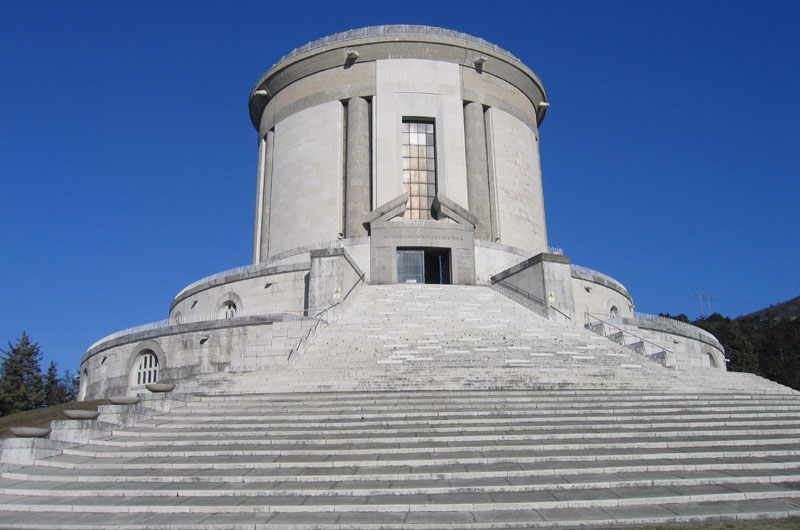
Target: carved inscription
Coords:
[(433, 237)]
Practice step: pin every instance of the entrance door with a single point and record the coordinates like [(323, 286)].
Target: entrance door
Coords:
[(423, 265), (410, 266)]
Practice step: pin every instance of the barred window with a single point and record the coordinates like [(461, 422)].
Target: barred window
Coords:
[(147, 368), (419, 168)]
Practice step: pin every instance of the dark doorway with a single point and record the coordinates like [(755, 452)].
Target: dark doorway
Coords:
[(437, 265), (423, 265)]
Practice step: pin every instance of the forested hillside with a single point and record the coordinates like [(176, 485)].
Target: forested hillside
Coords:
[(766, 342)]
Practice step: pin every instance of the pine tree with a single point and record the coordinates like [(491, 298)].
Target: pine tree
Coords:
[(54, 391), (70, 383), (21, 377)]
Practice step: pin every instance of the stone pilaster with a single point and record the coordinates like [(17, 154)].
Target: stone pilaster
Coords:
[(357, 195), (265, 173), (477, 169)]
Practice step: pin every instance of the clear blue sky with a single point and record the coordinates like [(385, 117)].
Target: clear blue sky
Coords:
[(128, 161)]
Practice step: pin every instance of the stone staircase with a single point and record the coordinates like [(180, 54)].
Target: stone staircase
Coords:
[(426, 459), (419, 337), (400, 416)]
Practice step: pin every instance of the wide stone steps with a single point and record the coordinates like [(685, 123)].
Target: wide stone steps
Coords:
[(419, 337), (433, 459)]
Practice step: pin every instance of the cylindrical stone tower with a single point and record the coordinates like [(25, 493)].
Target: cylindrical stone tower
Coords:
[(353, 121)]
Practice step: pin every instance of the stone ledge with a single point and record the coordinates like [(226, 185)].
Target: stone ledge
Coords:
[(409, 45), (236, 277), (337, 251), (697, 334), (538, 258), (177, 329), (614, 286)]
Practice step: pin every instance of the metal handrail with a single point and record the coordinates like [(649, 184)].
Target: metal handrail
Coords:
[(519, 292), (607, 322), (321, 321), (529, 296)]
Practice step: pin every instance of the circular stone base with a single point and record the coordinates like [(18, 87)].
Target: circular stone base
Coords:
[(124, 400), (81, 414), (159, 387), (30, 432)]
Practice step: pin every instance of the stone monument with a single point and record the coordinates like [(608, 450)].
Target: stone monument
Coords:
[(387, 155)]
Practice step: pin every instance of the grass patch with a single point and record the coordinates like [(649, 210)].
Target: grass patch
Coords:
[(42, 417)]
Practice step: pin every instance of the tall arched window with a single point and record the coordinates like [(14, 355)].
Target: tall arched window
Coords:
[(147, 368)]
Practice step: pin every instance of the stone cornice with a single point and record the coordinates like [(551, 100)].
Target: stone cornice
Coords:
[(418, 42)]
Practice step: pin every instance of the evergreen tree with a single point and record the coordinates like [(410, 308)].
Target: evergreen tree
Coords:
[(21, 377), (54, 389), (70, 383)]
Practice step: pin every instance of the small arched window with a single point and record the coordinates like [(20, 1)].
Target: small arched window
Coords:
[(614, 311), (229, 309), (147, 368)]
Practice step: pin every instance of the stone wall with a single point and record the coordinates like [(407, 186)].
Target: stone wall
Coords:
[(306, 193), (273, 289), (689, 346), (183, 350), (306, 138), (518, 183), (599, 295)]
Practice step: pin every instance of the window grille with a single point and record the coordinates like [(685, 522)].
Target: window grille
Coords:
[(410, 266), (419, 168), (147, 370)]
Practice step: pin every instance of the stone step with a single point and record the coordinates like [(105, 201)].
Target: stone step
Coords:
[(403, 503), (653, 514), (540, 407), (333, 443), (432, 451), (490, 415), (214, 487), (687, 467), (390, 458)]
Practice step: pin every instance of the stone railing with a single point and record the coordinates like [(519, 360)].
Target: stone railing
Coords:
[(395, 29)]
